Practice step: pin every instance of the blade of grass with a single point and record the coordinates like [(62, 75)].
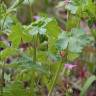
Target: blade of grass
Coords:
[(87, 85)]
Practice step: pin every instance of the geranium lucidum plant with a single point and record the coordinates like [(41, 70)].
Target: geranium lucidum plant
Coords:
[(38, 63), (71, 44), (28, 63)]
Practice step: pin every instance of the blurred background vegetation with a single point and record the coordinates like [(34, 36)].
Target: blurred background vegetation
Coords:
[(56, 8), (80, 13)]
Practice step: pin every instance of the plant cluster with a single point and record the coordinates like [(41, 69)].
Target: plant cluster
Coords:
[(34, 56)]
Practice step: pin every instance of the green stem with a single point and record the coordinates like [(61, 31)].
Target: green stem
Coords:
[(30, 9), (55, 79), (34, 57), (35, 38), (2, 80)]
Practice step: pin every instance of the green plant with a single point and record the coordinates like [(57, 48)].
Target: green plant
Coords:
[(87, 84), (72, 43), (25, 61), (38, 50)]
